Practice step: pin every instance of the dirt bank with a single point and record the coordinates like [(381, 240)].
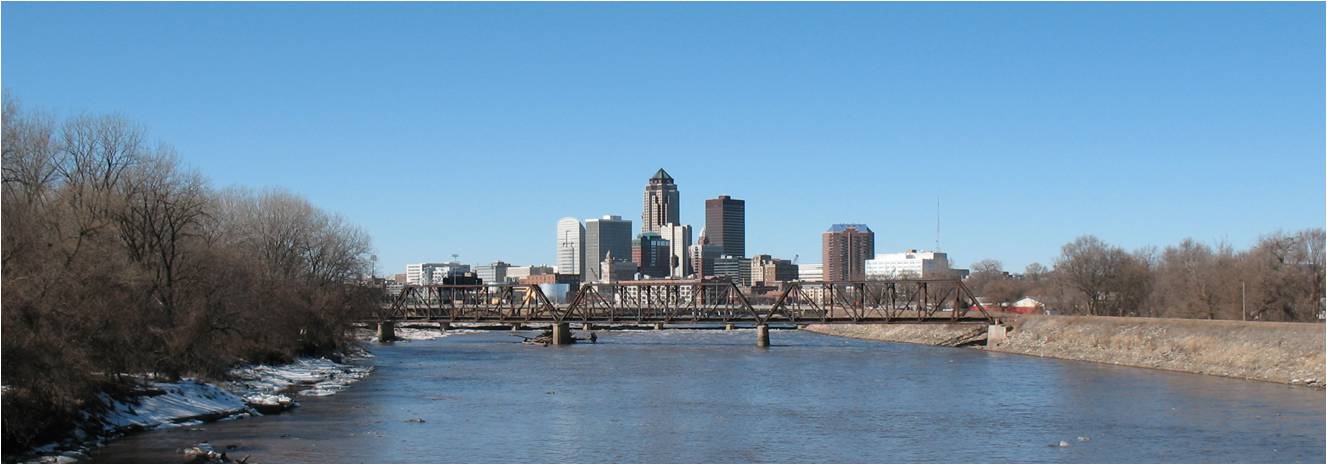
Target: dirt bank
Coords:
[(1291, 353)]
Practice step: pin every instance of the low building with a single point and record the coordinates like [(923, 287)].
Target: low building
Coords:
[(909, 264), (515, 273), (613, 269), (493, 273), (737, 269), (1025, 306), (552, 278), (433, 273), (467, 278), (769, 270), (810, 272), (657, 292)]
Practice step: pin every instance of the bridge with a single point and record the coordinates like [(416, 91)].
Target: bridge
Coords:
[(693, 301)]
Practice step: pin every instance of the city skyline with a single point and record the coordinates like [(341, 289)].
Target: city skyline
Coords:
[(1218, 135)]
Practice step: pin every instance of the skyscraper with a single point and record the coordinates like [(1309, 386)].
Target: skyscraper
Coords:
[(571, 246), (725, 222), (845, 249), (602, 235), (661, 203), (679, 240)]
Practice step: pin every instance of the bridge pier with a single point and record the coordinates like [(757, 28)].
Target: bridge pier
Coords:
[(587, 327), (658, 326), (515, 327), (996, 334), (728, 327), (561, 334), (444, 326), (386, 331), (762, 335)]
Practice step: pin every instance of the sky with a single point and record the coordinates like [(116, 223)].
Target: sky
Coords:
[(469, 129)]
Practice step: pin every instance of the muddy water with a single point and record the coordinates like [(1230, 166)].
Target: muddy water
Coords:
[(712, 396)]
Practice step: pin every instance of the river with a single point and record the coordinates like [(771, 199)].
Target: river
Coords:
[(712, 396)]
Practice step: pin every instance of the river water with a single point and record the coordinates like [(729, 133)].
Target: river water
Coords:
[(712, 396)]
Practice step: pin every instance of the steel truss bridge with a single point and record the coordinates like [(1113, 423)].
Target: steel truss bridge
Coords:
[(690, 302)]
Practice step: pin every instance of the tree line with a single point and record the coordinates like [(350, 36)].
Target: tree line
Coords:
[(1280, 278), (119, 261)]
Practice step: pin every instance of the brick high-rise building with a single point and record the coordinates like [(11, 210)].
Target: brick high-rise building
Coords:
[(845, 249), (661, 203), (725, 221)]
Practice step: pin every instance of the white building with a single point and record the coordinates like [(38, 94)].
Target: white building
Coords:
[(679, 241), (571, 246), (811, 272), (910, 264), (431, 273)]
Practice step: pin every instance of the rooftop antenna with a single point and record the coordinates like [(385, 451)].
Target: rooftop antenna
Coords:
[(937, 223), (454, 257)]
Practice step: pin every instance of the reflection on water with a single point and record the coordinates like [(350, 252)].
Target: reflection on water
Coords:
[(712, 396)]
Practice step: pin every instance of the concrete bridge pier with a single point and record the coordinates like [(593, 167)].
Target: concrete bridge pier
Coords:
[(516, 327), (444, 326), (728, 327), (386, 331), (561, 334), (996, 334), (587, 327), (658, 326), (762, 335)]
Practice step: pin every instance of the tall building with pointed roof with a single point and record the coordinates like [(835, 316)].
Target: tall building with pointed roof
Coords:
[(661, 203)]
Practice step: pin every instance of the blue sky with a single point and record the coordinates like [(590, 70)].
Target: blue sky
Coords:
[(471, 128)]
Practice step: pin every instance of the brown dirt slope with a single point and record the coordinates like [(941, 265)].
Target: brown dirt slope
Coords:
[(1278, 352)]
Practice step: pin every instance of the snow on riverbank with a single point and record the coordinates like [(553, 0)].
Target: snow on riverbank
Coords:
[(252, 390), (311, 376), (181, 403)]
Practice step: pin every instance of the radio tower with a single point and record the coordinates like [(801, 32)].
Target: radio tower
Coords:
[(937, 223)]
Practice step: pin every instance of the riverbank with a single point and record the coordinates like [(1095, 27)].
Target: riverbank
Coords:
[(1290, 353), (250, 390)]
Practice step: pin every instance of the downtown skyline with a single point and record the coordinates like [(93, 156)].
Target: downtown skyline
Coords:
[(462, 129)]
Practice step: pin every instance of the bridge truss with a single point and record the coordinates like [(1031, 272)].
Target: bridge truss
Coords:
[(692, 301)]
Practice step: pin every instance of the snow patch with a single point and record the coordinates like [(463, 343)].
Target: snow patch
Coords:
[(254, 389), (317, 377), (178, 404)]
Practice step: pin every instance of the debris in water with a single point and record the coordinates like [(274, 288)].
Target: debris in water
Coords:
[(1061, 444), (1084, 439), (415, 420)]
